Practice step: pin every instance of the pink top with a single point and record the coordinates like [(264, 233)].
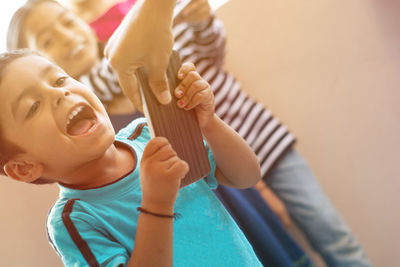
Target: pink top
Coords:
[(106, 24)]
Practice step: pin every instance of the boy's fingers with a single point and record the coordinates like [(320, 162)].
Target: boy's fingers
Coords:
[(130, 88), (203, 97), (154, 145), (165, 153), (179, 168), (169, 163), (196, 87), (190, 78), (185, 69), (196, 90)]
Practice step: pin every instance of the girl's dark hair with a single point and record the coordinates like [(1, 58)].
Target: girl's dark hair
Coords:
[(7, 149), (15, 35)]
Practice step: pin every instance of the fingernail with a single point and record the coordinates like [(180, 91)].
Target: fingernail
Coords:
[(181, 103), (165, 97), (179, 93)]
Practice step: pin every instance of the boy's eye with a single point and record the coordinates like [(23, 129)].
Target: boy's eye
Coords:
[(34, 108), (60, 81)]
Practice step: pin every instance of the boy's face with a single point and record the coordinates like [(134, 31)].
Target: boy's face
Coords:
[(63, 37), (56, 120)]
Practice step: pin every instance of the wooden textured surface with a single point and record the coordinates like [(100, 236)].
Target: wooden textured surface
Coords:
[(180, 127)]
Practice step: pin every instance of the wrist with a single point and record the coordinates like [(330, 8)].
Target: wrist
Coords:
[(210, 125), (159, 215), (161, 208)]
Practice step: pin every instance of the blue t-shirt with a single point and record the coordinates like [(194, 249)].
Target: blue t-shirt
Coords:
[(97, 227)]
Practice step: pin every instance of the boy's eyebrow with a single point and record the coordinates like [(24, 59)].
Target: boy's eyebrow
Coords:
[(28, 90)]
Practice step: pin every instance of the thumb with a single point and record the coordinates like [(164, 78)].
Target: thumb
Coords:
[(158, 82), (130, 88)]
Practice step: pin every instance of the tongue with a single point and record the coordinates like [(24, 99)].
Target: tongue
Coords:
[(81, 127)]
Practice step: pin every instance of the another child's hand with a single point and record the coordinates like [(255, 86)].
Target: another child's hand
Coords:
[(197, 11), (274, 202), (195, 92), (161, 172), (148, 22)]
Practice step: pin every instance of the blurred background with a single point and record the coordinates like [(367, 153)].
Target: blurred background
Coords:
[(329, 70)]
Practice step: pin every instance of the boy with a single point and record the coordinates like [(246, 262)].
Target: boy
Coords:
[(48, 27), (282, 167), (55, 129)]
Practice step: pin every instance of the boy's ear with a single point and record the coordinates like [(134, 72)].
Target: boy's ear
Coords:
[(22, 169)]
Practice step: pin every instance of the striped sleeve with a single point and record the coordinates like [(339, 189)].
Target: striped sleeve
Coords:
[(103, 81), (202, 41), (267, 136)]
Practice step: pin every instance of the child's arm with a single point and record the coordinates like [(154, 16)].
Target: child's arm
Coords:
[(196, 11), (160, 174), (237, 164), (204, 36)]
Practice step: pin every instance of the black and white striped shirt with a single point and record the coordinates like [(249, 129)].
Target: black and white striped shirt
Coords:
[(103, 81), (204, 45)]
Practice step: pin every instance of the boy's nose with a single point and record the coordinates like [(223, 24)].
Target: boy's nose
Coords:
[(60, 95)]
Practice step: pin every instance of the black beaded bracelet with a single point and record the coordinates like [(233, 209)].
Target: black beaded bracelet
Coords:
[(174, 216)]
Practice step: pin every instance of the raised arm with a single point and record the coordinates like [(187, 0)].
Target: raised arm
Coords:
[(199, 34), (144, 38), (237, 165), (161, 172)]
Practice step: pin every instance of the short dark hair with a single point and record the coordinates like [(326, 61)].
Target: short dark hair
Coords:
[(7, 149), (15, 35)]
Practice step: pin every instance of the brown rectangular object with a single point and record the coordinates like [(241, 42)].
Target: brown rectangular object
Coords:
[(179, 126)]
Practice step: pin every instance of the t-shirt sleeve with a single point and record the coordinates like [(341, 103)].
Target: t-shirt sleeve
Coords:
[(210, 178), (79, 242), (201, 41), (103, 81)]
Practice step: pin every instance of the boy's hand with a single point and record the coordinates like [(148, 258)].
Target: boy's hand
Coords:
[(197, 11), (195, 92), (161, 172)]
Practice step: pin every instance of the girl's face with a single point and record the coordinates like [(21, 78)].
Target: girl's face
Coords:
[(89, 10), (63, 37)]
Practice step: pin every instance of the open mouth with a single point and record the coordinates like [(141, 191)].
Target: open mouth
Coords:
[(81, 119), (77, 50)]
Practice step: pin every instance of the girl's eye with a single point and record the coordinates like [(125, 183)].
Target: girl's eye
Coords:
[(60, 81), (47, 43), (34, 108), (68, 22)]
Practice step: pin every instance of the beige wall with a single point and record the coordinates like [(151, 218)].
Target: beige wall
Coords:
[(328, 69), (24, 210), (331, 71)]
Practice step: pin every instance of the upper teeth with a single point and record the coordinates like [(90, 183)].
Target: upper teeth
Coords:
[(74, 113)]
